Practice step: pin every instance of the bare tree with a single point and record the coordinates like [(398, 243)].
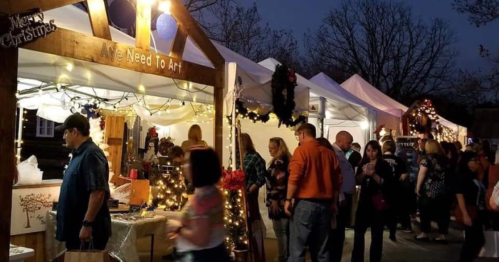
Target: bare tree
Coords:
[(383, 42), (243, 30), (480, 12)]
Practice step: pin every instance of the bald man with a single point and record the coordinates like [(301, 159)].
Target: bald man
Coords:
[(341, 146)]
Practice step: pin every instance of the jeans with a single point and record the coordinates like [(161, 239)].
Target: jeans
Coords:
[(310, 226), (365, 219), (281, 229), (438, 209), (473, 241), (337, 236)]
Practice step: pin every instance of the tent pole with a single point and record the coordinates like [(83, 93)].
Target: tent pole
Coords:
[(321, 116)]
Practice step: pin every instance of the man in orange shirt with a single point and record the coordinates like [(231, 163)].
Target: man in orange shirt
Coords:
[(313, 189)]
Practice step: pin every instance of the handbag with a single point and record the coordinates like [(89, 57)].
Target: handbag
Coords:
[(86, 255), (379, 202)]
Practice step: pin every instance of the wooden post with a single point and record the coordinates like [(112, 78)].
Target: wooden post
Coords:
[(8, 100), (218, 100), (143, 25), (98, 19)]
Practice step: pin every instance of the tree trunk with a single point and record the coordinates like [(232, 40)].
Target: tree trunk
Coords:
[(27, 220)]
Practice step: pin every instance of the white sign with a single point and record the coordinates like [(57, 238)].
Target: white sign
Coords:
[(134, 56), (30, 207), (25, 28)]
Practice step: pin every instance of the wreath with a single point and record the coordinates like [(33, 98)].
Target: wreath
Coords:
[(283, 95)]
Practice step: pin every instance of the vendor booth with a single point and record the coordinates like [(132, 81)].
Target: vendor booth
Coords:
[(58, 60), (360, 88), (331, 111)]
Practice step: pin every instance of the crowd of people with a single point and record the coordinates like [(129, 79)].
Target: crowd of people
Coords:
[(310, 195)]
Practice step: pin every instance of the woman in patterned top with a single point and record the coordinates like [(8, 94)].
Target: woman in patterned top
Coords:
[(433, 191), (277, 185), (255, 171), (200, 233)]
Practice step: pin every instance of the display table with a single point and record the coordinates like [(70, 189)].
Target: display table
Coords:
[(123, 243), (18, 254)]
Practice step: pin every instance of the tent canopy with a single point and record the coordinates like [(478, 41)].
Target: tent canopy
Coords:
[(54, 69), (360, 88), (339, 107)]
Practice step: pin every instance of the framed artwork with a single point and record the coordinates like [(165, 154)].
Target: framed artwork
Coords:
[(30, 207)]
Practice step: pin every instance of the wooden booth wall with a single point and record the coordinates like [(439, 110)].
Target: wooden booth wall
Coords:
[(115, 127), (50, 152)]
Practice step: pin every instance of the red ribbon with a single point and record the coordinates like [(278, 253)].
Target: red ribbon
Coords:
[(233, 180)]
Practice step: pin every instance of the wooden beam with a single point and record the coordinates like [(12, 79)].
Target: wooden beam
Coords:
[(98, 19), (196, 33), (23, 6), (179, 43), (143, 24), (218, 100), (8, 89), (75, 45)]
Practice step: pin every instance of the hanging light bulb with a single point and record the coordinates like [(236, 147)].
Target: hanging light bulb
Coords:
[(164, 6)]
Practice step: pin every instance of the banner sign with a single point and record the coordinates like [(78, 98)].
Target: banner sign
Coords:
[(407, 151), (26, 28)]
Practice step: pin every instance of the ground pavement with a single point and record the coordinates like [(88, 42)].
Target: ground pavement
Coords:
[(406, 249)]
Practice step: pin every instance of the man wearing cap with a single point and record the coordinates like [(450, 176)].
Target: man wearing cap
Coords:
[(83, 218)]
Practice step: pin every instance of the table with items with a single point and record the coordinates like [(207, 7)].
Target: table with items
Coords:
[(19, 254), (126, 230)]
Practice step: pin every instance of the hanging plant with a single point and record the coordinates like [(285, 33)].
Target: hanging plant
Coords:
[(283, 95)]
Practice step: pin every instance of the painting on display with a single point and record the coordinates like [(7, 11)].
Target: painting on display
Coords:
[(30, 207)]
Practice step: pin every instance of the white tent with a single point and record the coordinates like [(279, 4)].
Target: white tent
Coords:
[(341, 112), (54, 69), (340, 107), (360, 88)]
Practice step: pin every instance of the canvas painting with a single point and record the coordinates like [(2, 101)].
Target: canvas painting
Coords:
[(30, 207)]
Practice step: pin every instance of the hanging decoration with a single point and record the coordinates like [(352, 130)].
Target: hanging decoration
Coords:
[(283, 96), (122, 13), (166, 26), (245, 113), (172, 191), (423, 118)]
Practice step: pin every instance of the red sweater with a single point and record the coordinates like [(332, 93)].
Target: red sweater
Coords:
[(315, 170)]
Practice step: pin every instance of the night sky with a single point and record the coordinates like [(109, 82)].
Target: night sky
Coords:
[(304, 15)]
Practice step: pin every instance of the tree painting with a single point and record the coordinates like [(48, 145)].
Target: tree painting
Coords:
[(32, 203)]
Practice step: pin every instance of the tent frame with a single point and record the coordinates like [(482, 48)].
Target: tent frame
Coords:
[(79, 46)]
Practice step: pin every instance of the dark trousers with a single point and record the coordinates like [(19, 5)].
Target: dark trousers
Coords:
[(363, 220), (473, 241), (97, 243), (437, 209), (310, 226), (337, 236)]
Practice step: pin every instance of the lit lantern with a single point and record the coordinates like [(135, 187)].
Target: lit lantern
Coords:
[(166, 26)]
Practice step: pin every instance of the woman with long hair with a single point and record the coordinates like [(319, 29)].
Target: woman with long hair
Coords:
[(255, 171), (277, 185), (375, 177), (433, 192), (470, 196), (200, 233), (194, 138)]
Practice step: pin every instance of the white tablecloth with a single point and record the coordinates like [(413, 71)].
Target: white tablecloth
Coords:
[(123, 243)]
